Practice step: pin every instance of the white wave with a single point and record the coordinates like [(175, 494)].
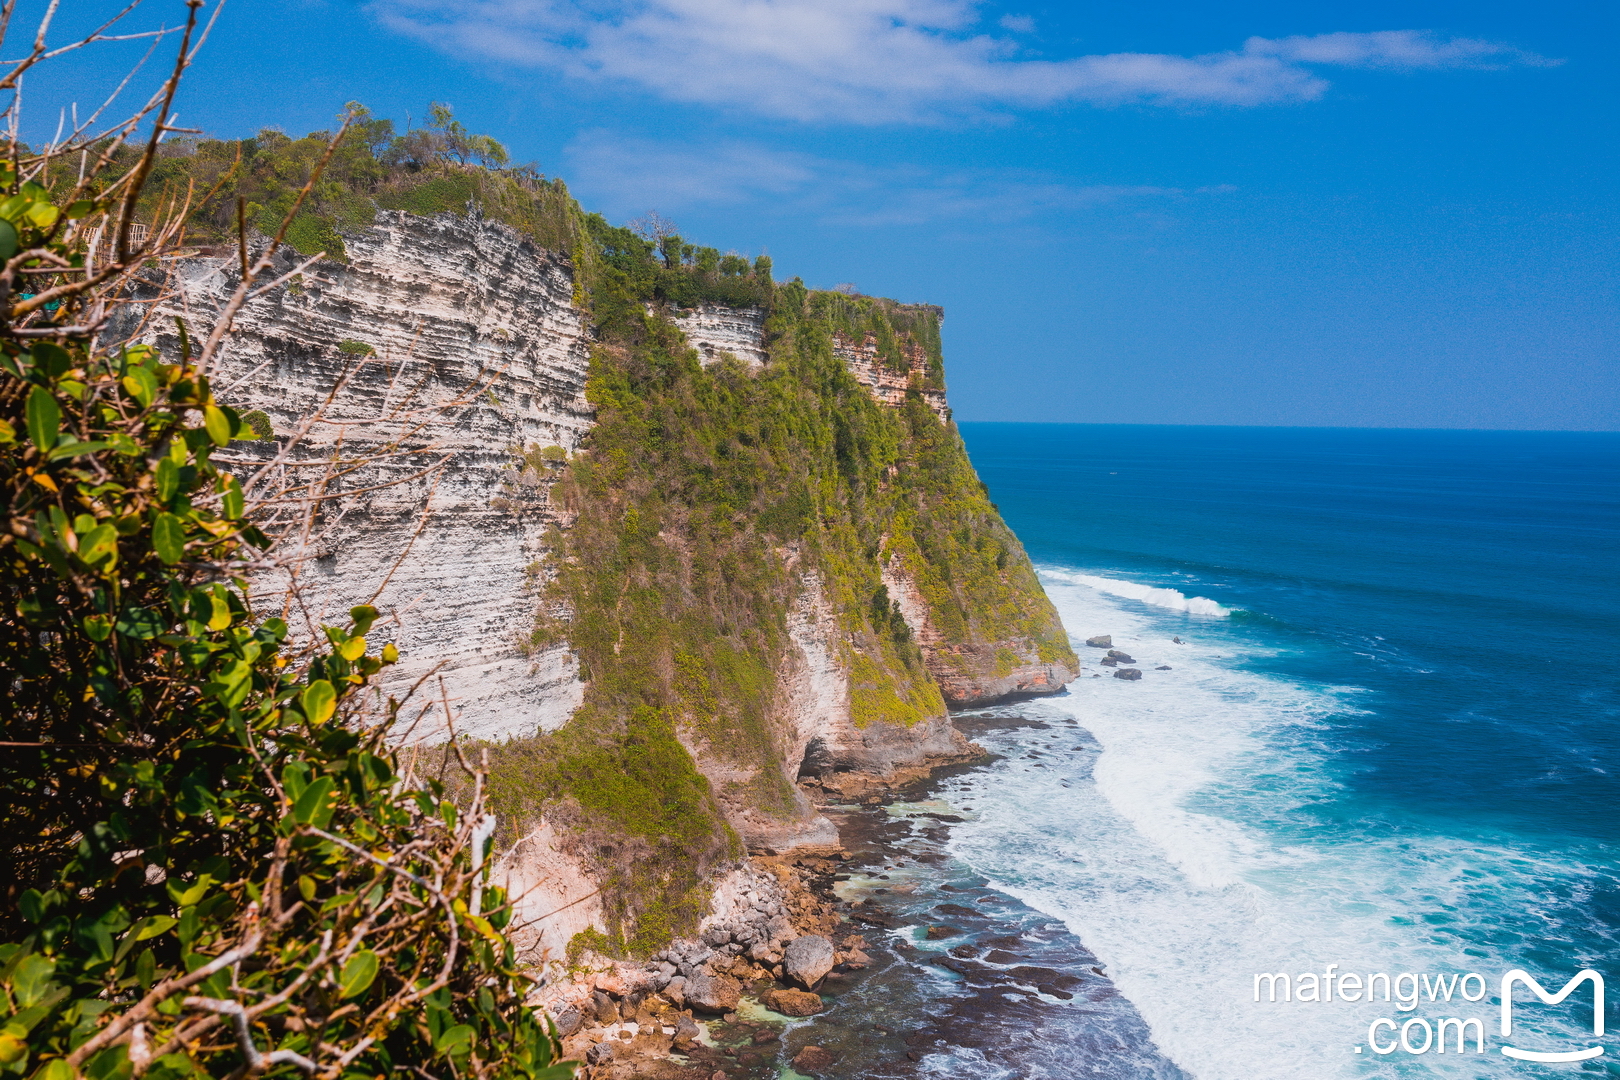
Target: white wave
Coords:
[(1172, 599), (1188, 865)]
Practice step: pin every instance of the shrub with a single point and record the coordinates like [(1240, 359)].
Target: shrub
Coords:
[(212, 862)]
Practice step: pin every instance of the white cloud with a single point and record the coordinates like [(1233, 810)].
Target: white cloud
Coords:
[(629, 176), (1397, 50), (880, 61)]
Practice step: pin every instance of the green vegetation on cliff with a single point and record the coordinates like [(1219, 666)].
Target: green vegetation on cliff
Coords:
[(705, 503), (705, 500)]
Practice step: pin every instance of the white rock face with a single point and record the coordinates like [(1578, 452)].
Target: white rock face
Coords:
[(478, 350), (552, 897), (713, 330)]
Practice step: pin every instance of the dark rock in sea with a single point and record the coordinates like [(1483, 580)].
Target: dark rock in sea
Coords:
[(1102, 641), (1035, 976), (965, 952), (1001, 956), (1162, 667), (813, 1058), (938, 933), (954, 965), (1109, 661), (806, 960), (1127, 673), (957, 909), (1122, 657), (792, 1002), (1178, 641), (1051, 991)]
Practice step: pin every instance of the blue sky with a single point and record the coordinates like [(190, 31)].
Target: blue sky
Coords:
[(1242, 213)]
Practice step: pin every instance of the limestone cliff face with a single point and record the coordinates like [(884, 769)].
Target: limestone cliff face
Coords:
[(885, 383), (476, 348), (714, 331), (452, 341), (979, 673)]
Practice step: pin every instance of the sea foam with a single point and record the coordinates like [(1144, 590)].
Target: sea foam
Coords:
[(1187, 857), (1171, 599)]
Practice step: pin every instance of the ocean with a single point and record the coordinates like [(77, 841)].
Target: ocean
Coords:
[(1388, 741)]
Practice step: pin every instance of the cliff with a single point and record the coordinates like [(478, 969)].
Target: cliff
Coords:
[(680, 568)]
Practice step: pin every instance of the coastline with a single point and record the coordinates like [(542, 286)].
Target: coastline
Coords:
[(937, 972)]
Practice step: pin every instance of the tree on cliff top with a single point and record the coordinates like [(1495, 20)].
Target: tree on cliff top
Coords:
[(212, 863)]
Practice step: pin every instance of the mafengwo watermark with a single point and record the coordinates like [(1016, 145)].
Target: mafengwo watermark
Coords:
[(1451, 992)]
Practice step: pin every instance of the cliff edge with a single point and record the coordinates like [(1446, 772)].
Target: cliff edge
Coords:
[(682, 560)]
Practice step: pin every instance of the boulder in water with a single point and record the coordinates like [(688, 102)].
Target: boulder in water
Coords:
[(1162, 667), (1109, 661), (1102, 641), (793, 1002), (1122, 657), (712, 993), (812, 1059), (807, 960), (1127, 673)]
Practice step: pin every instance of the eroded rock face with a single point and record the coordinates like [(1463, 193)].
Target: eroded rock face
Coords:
[(476, 348), (715, 331), (973, 675)]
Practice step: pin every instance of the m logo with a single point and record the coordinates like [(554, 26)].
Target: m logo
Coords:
[(1585, 975)]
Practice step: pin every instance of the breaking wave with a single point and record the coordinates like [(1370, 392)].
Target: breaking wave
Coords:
[(1147, 594)]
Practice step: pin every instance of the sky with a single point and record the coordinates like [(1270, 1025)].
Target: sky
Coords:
[(1303, 214)]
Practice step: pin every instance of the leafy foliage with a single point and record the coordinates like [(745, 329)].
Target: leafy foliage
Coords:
[(211, 862), (705, 496)]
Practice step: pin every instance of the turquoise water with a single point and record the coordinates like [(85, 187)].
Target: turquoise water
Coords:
[(1389, 741)]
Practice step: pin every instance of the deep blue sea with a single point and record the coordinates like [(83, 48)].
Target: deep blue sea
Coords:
[(1389, 740)]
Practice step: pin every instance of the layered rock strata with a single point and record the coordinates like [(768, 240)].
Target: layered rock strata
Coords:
[(448, 341), (884, 383)]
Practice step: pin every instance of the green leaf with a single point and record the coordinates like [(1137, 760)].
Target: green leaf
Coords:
[(318, 701), (168, 538), (218, 425), (75, 449), (295, 778), (31, 979), (455, 1041), (8, 434), (44, 418), (140, 384), (82, 208), (152, 926), (358, 974), (99, 547), (167, 478), (219, 616), (141, 623), (232, 502), (363, 617), (55, 1069), (8, 240), (315, 805)]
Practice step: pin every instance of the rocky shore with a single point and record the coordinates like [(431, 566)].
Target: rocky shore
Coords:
[(881, 957)]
